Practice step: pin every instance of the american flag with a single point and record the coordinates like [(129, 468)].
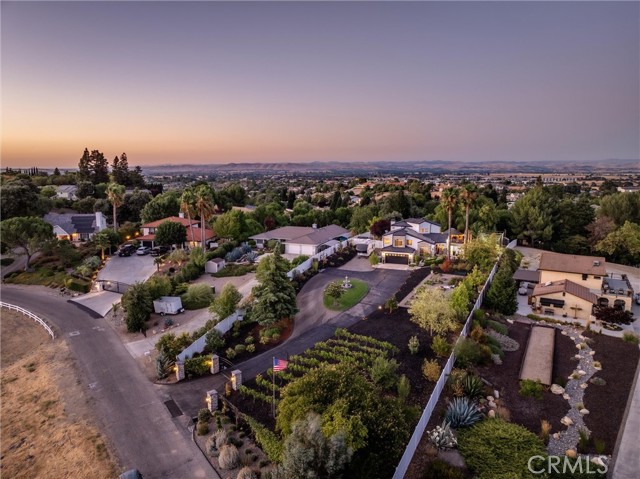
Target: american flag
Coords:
[(279, 364)]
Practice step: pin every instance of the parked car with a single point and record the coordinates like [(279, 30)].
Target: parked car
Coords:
[(143, 250), (126, 250), (159, 250)]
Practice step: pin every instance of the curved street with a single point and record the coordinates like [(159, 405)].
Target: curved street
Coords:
[(128, 408)]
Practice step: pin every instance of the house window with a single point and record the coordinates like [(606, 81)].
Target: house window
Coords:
[(556, 303), (597, 277), (409, 242), (387, 241), (398, 243), (585, 277)]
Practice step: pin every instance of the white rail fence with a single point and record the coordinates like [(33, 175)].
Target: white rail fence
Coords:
[(37, 319), (306, 265), (403, 465)]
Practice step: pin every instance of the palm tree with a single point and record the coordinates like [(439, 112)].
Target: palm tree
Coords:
[(187, 205), (449, 200), (102, 241), (115, 194), (467, 197), (204, 199)]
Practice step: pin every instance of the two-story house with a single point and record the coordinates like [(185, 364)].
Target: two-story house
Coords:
[(572, 285), (410, 238)]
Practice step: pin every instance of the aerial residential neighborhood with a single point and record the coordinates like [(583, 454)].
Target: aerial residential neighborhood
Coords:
[(284, 240)]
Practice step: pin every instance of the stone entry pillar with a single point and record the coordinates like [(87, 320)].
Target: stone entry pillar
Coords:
[(236, 379), (215, 364), (179, 370), (212, 400)]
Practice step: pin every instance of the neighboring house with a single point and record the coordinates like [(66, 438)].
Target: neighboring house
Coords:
[(417, 236), (76, 227), (564, 297), (194, 233), (303, 240), (214, 265), (67, 192), (585, 270), (568, 282), (419, 225)]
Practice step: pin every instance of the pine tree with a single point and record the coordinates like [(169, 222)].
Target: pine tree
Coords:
[(275, 296), (84, 167), (502, 294), (120, 170), (99, 167)]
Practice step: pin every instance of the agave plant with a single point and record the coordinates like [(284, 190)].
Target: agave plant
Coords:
[(462, 412), (472, 386), (443, 437)]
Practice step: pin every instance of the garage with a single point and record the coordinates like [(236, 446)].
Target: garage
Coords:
[(396, 258)]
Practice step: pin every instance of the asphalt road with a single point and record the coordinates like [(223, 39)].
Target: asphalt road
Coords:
[(129, 409), (313, 323)]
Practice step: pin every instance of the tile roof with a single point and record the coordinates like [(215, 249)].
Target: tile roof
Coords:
[(174, 219), (571, 263), (565, 286)]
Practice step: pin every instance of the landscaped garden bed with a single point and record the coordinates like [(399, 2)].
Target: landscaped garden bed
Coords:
[(606, 401), (348, 296)]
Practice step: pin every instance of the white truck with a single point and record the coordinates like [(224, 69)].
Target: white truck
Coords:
[(168, 305)]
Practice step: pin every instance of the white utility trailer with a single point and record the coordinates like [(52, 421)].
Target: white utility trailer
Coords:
[(168, 305)]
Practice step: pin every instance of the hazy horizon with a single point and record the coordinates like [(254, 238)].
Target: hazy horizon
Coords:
[(216, 83)]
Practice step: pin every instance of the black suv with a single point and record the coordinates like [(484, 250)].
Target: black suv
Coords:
[(159, 250), (126, 250)]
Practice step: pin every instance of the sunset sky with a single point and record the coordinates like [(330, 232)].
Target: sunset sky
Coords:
[(212, 82)]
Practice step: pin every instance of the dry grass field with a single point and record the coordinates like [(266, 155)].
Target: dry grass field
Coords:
[(46, 428)]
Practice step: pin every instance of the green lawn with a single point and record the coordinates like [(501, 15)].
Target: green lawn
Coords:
[(349, 298)]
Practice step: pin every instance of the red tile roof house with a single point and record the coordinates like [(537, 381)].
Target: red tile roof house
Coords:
[(194, 233)]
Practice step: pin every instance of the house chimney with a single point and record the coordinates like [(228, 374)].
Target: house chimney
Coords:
[(596, 263), (181, 214)]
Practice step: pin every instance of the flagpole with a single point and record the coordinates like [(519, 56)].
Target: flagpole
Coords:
[(273, 378)]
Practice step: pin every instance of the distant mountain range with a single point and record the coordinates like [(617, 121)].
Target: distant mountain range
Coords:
[(404, 167)]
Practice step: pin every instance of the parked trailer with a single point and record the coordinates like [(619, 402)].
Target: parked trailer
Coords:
[(168, 305)]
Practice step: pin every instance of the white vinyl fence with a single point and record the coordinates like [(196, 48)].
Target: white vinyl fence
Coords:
[(306, 265), (42, 322), (222, 327), (402, 467)]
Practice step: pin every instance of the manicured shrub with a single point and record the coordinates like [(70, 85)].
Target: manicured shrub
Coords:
[(431, 370), (531, 388), (480, 316), (229, 457), (251, 348), (441, 347), (230, 353), (629, 337), (470, 353), (202, 428), (210, 447), (204, 415), (198, 366), (404, 387), (414, 344), (497, 449), (462, 412), (240, 348)]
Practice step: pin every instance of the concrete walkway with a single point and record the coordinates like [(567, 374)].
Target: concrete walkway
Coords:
[(538, 359), (626, 459)]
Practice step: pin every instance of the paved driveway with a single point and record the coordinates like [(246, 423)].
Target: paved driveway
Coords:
[(129, 408), (129, 270), (313, 323)]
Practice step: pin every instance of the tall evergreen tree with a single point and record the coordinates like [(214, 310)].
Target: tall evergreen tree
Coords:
[(56, 172), (136, 179), (502, 294), (99, 167), (84, 167), (275, 296)]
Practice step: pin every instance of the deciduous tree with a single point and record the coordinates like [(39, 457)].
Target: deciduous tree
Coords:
[(226, 303), (26, 235), (170, 232), (138, 304), (431, 310)]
